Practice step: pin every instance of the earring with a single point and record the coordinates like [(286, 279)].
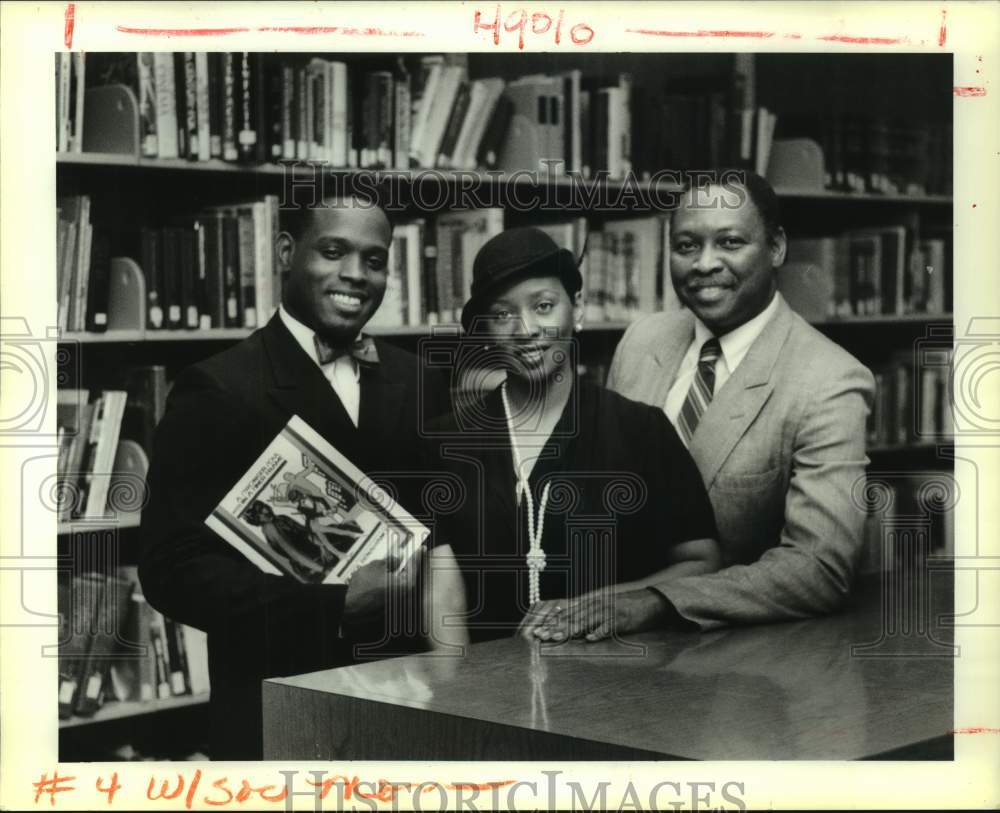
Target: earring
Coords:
[(578, 327)]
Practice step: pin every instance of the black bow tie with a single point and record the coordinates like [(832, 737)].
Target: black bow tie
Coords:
[(362, 349)]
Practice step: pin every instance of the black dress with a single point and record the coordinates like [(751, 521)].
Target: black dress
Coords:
[(623, 491)]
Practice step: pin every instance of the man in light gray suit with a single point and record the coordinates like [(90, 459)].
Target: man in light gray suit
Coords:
[(772, 411)]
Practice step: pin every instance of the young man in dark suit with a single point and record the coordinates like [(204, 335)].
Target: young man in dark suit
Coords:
[(364, 396)]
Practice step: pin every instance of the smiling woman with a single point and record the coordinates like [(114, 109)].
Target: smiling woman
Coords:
[(558, 529)]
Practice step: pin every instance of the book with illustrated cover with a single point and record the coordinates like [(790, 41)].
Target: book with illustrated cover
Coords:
[(304, 510)]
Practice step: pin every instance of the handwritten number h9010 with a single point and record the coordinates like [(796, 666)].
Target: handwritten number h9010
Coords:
[(536, 24)]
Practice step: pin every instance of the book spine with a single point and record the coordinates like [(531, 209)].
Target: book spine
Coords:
[(202, 103), (383, 125), (172, 277), (203, 292), (177, 673), (369, 126), (66, 284), (214, 296), (84, 244), (273, 230), (191, 115), (496, 132), (100, 281), (302, 106), (148, 140), (262, 269), (318, 143), (65, 78), (401, 123), (275, 118), (216, 104), (231, 270), (430, 275), (341, 120), (166, 106), (424, 90), (260, 108), (180, 96), (150, 253), (248, 279), (80, 68), (288, 114), (354, 130), (158, 638), (247, 137), (229, 108), (454, 126)]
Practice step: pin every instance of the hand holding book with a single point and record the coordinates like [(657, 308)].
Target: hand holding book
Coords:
[(303, 510)]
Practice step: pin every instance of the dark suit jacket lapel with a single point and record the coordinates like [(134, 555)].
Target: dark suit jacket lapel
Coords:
[(668, 355), (300, 387), (741, 398), (382, 394)]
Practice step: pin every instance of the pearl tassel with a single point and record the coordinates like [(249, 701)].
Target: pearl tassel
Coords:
[(535, 557)]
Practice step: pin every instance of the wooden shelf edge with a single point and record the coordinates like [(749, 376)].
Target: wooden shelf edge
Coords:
[(887, 318), (447, 175), (922, 447), (867, 197), (120, 710), (230, 334), (72, 526)]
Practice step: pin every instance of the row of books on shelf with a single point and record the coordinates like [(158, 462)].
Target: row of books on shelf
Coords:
[(424, 112), (912, 404), (217, 268), (876, 154), (106, 436), (886, 270), (114, 647), (210, 269)]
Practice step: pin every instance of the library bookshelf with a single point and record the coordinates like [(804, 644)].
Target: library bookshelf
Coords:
[(134, 191)]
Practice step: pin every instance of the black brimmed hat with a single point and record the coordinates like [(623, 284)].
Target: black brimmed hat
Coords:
[(513, 255)]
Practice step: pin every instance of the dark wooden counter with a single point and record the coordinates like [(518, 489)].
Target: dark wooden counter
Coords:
[(874, 681)]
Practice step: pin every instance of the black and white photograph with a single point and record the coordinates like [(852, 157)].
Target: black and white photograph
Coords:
[(644, 342)]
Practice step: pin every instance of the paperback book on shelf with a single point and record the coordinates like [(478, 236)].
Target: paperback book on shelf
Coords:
[(304, 510)]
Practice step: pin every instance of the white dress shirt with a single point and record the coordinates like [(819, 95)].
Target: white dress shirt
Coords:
[(342, 373), (734, 344)]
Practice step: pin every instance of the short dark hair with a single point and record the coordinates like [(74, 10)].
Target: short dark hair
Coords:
[(295, 219), (760, 192)]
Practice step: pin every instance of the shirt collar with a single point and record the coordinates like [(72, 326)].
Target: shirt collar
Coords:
[(736, 343), (303, 335)]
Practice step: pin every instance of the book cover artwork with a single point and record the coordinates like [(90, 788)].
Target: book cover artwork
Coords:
[(304, 510)]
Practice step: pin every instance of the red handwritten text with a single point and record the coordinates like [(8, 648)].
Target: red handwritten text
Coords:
[(537, 24), (969, 91), (223, 792), (294, 29), (70, 21), (57, 784), (111, 789)]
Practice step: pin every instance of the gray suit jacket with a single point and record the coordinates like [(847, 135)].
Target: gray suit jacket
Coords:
[(781, 449)]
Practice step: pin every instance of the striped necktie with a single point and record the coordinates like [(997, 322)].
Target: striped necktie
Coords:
[(700, 394)]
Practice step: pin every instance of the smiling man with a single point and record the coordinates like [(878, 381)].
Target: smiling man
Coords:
[(772, 412), (362, 395)]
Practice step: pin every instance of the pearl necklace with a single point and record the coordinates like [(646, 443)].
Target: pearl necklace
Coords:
[(536, 555)]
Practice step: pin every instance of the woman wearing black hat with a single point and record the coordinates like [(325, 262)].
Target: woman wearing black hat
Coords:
[(571, 488)]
